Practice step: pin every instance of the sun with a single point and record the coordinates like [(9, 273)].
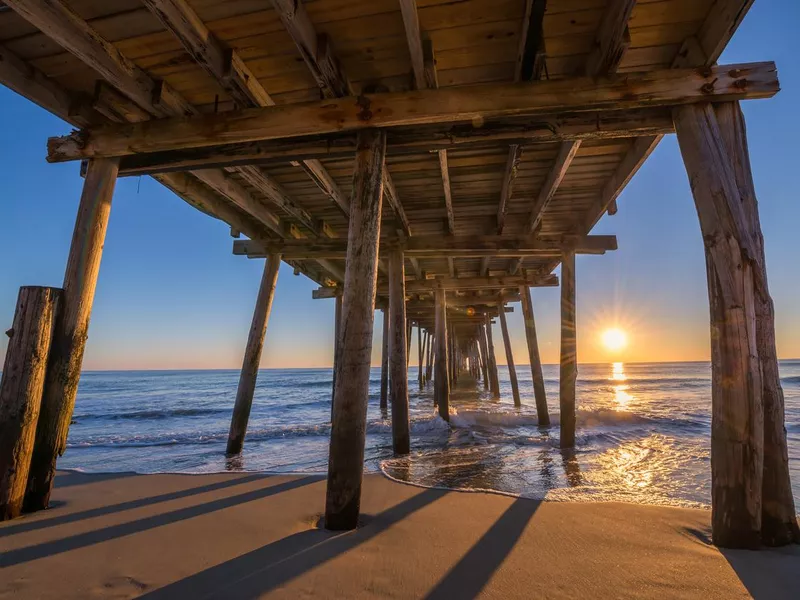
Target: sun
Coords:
[(614, 339)]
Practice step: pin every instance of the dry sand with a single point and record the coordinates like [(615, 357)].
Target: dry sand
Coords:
[(246, 535)]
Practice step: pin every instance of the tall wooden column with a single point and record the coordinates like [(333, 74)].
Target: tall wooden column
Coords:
[(778, 520), (398, 361), (429, 365), (71, 329), (533, 353), (484, 355), (734, 278), (348, 429), (494, 378), (512, 370), (21, 391), (568, 372), (252, 355), (420, 355), (337, 319), (441, 378), (385, 361)]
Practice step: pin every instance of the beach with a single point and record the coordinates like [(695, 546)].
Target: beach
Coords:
[(250, 535)]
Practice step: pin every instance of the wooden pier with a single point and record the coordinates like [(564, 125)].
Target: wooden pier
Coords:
[(434, 160)]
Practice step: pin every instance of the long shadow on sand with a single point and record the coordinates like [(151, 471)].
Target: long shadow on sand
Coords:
[(60, 519), (772, 574), (471, 574), (81, 540), (273, 565), (73, 478)]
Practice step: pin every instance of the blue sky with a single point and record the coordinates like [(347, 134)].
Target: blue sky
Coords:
[(172, 295)]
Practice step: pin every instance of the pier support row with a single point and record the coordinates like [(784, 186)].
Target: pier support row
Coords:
[(348, 428), (751, 495), (252, 355)]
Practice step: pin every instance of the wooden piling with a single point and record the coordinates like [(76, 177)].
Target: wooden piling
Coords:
[(441, 381), (512, 370), (420, 352), (494, 378), (348, 430), (21, 391), (429, 365), (778, 519), (252, 355), (568, 372), (737, 423), (71, 329), (398, 370), (337, 318), (484, 355), (533, 353), (384, 402)]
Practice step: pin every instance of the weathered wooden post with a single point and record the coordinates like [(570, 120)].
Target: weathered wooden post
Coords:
[(385, 362), (494, 378), (568, 371), (252, 355), (21, 391), (533, 353), (734, 280), (512, 370), (429, 365), (71, 329), (484, 355), (778, 520), (441, 380), (348, 430), (397, 354), (337, 317), (420, 353)]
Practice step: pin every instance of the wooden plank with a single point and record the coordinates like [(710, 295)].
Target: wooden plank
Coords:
[(568, 368), (351, 396), (21, 391), (424, 107), (612, 38), (398, 357), (71, 330), (252, 356)]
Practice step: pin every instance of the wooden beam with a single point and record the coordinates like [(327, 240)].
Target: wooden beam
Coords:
[(390, 195), (494, 379), (408, 8), (252, 356), (533, 354), (441, 379), (718, 28), (320, 175), (384, 401), (448, 198), (532, 54), (425, 107), (351, 396), (435, 246), (607, 124), (484, 270), (71, 330), (566, 153), (479, 283), (612, 38), (509, 175), (398, 355)]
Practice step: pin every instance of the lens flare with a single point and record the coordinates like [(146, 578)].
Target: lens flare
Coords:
[(614, 339)]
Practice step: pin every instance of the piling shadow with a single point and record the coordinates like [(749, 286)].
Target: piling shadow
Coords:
[(471, 574), (74, 478), (273, 565), (768, 574), (30, 525), (81, 540)]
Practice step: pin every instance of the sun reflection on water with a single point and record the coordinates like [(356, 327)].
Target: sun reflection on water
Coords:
[(622, 398)]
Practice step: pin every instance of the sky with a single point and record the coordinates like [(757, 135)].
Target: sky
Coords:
[(171, 295)]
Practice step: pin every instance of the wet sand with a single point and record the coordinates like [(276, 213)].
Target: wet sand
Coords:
[(248, 535)]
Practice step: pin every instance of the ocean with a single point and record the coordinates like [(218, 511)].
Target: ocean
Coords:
[(643, 431)]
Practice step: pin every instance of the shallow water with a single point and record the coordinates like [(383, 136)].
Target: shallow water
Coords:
[(643, 430)]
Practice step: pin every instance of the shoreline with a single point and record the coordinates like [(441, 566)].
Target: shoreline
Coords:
[(248, 534)]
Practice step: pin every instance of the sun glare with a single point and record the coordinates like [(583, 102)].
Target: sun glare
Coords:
[(614, 339)]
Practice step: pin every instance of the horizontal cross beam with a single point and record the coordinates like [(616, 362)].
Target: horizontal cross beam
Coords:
[(434, 247), (464, 104)]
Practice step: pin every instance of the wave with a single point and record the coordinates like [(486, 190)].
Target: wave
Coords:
[(153, 414), (794, 379)]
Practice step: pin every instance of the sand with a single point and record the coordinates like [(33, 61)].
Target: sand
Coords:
[(247, 535)]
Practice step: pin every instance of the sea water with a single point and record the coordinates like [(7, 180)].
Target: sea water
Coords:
[(643, 432)]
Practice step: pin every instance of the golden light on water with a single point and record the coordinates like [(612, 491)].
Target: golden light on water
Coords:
[(614, 339), (622, 397)]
